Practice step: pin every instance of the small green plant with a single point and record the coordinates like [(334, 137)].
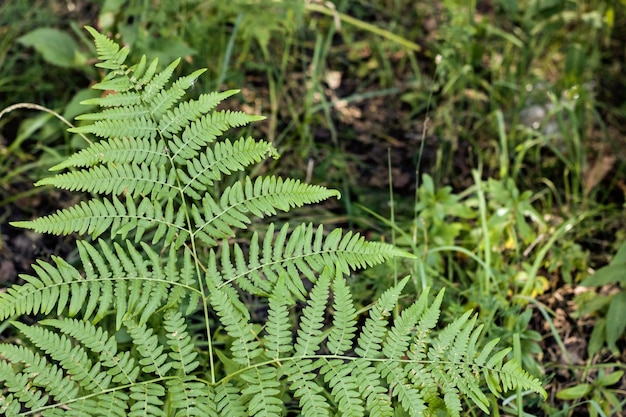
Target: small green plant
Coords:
[(600, 398), (611, 325), (169, 313)]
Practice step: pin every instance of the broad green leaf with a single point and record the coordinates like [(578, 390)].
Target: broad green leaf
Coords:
[(56, 47), (575, 392), (615, 323), (610, 379), (606, 275), (75, 107), (620, 256), (597, 338)]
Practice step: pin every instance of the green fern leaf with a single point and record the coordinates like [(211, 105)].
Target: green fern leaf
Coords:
[(117, 179), (310, 335), (120, 365), (183, 351), (372, 389), (96, 217), (224, 158), (156, 84), (262, 392), (344, 314), (205, 130), (300, 374), (73, 359), (188, 111), (147, 400), (135, 127), (244, 348), (166, 98), (296, 253), (260, 198), (126, 99), (229, 401), (119, 151), (108, 51), (373, 332), (40, 373), (191, 398), (154, 360), (344, 387), (50, 289), (278, 339), (117, 113), (21, 394), (173, 315), (410, 398)]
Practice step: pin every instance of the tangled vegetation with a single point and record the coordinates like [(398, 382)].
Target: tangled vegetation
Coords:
[(483, 140)]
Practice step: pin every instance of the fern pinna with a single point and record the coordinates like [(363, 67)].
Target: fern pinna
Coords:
[(155, 320)]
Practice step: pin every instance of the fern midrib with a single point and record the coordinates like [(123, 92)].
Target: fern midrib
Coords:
[(296, 358), (289, 260), (244, 203), (199, 174), (198, 266)]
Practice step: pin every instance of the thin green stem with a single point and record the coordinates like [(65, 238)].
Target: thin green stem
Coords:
[(485, 282), (341, 17)]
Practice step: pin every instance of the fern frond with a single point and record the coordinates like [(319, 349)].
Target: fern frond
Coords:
[(343, 386), (223, 159), (278, 339), (20, 392), (509, 376), (73, 359), (157, 320), (134, 180), (125, 99), (182, 349), (51, 288), (164, 99), (189, 111), (143, 75), (118, 151), (262, 392), (134, 127), (205, 130), (229, 400), (372, 389), (373, 332), (108, 51), (95, 217), (147, 400), (301, 376), (120, 365), (310, 335), (303, 251), (37, 373), (344, 313), (153, 358), (156, 84), (216, 220), (118, 113), (61, 286), (189, 397), (244, 347)]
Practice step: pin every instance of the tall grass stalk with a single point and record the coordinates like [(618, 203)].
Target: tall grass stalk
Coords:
[(329, 10), (485, 281)]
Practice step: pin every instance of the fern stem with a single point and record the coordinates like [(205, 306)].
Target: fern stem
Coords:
[(33, 106), (338, 16)]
